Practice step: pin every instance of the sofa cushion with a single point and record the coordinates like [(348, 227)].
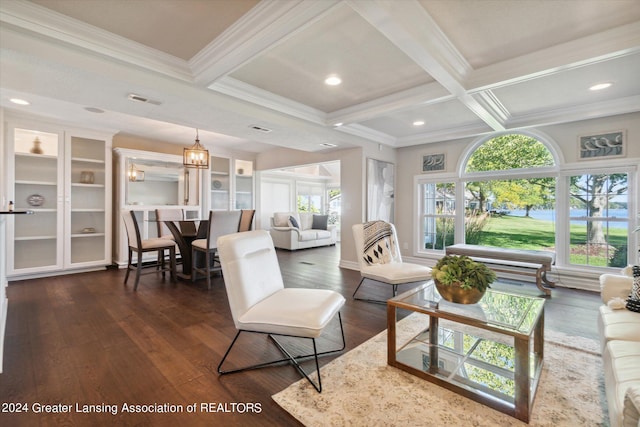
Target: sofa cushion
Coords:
[(619, 324), (621, 371), (323, 234), (294, 222), (306, 219), (320, 222), (307, 235)]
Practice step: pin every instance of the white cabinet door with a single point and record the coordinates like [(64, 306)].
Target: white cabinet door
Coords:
[(87, 201), (65, 181), (36, 166)]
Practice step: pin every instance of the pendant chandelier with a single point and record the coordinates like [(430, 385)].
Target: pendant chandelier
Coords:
[(197, 156), (135, 174)]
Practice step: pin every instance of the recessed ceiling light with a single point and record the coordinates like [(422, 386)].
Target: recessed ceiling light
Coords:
[(333, 80), (418, 123), (601, 86), (338, 124), (328, 144), (19, 101), (94, 110)]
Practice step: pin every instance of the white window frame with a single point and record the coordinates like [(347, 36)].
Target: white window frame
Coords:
[(560, 171)]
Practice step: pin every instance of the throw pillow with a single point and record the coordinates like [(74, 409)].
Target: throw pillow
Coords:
[(320, 222), (633, 303), (294, 222), (280, 219)]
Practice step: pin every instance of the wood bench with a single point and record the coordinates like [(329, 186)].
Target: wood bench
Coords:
[(511, 258)]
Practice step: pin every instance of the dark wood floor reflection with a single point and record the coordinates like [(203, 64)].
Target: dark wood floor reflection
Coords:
[(86, 339)]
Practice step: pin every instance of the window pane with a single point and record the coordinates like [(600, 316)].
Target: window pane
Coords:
[(599, 220), (507, 152), (515, 213), (438, 210)]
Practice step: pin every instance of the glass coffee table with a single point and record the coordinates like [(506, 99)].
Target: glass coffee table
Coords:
[(491, 352)]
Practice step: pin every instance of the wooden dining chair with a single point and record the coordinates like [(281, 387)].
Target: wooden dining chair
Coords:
[(163, 230), (220, 224), (167, 215), (246, 219), (141, 246)]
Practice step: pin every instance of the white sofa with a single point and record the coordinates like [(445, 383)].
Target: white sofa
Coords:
[(302, 234), (620, 338)]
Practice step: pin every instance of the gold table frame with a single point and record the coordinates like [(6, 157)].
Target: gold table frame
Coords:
[(527, 331)]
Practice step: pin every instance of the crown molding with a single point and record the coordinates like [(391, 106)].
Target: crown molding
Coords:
[(630, 104), (491, 102), (246, 92), (38, 20), (368, 133), (265, 25)]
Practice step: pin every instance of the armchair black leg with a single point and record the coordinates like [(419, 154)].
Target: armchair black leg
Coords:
[(375, 301), (289, 358)]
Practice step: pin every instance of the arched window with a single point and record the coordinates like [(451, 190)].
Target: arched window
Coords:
[(510, 151), (512, 190)]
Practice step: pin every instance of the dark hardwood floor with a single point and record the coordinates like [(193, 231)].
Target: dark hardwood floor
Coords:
[(86, 339)]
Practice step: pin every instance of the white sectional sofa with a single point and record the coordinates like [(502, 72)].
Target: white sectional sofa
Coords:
[(301, 230), (620, 338)]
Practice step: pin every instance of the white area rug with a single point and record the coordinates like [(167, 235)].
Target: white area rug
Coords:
[(360, 389)]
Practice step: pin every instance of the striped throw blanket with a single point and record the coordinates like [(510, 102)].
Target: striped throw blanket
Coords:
[(378, 242)]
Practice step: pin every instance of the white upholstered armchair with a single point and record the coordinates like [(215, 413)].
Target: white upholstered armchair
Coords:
[(384, 264), (260, 303)]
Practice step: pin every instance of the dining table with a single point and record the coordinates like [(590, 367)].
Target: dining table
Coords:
[(184, 233)]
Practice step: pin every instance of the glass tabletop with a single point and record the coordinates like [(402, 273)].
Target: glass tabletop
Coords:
[(507, 311)]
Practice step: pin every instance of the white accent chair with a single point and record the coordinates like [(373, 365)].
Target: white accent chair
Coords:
[(260, 303), (393, 273), (220, 223), (140, 246)]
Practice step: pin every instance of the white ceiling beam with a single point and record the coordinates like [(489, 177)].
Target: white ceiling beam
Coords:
[(429, 93), (368, 134), (630, 104), (36, 19), (246, 92), (414, 32), (446, 134), (264, 26), (607, 45)]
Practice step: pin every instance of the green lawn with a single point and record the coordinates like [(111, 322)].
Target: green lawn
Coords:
[(527, 233)]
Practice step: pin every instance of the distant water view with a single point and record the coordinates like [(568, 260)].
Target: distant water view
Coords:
[(549, 215)]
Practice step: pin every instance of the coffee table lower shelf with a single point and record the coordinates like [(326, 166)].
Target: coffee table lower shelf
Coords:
[(466, 372)]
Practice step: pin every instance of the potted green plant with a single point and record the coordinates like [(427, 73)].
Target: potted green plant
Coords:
[(460, 279)]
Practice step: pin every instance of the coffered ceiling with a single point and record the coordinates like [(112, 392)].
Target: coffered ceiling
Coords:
[(227, 67)]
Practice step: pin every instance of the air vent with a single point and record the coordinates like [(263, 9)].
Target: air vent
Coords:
[(260, 129), (140, 98)]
